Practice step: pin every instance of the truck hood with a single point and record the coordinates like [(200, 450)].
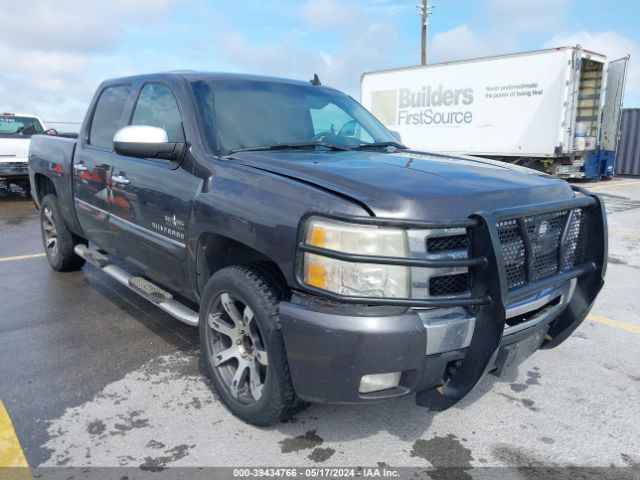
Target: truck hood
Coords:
[(414, 185), (14, 149)]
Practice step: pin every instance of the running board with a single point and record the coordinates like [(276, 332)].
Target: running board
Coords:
[(143, 287)]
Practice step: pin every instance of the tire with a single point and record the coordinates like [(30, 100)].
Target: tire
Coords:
[(26, 188), (262, 393), (57, 239)]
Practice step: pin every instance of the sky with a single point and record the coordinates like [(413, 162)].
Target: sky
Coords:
[(53, 54)]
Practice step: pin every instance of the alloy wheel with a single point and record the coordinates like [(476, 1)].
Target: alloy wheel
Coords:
[(50, 233), (237, 347)]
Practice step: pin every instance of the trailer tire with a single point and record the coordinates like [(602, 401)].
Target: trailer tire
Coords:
[(57, 239)]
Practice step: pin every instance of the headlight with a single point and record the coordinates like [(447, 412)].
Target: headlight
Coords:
[(352, 278)]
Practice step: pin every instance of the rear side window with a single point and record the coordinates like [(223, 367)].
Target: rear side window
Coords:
[(107, 117), (157, 106)]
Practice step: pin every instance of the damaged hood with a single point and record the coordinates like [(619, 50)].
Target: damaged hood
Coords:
[(414, 185)]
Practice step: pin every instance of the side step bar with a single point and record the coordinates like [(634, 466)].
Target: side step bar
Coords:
[(143, 287)]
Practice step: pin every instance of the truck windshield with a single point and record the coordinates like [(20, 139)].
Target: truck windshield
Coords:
[(19, 127), (250, 114)]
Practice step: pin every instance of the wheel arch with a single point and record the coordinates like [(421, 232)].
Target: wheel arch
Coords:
[(44, 186), (216, 251)]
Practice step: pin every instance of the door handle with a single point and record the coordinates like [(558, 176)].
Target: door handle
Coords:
[(120, 179), (80, 167)]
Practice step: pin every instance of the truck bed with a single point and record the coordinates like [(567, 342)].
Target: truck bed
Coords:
[(52, 157)]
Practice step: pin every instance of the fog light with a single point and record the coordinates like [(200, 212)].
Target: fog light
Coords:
[(379, 381)]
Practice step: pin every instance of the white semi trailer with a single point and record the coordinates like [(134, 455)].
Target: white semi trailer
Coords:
[(556, 110)]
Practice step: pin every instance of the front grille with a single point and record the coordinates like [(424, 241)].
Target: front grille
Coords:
[(443, 244), (575, 240), (531, 245), (512, 252), (13, 167), (544, 234), (449, 284)]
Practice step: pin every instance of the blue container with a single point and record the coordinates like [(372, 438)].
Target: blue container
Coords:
[(607, 163), (591, 166)]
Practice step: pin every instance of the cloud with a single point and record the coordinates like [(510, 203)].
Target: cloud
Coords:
[(50, 51), (388, 7), (499, 27), (283, 57), (70, 25), (527, 16), (463, 42), (367, 48), (329, 13)]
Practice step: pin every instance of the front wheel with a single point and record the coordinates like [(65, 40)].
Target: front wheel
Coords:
[(242, 345), (58, 240)]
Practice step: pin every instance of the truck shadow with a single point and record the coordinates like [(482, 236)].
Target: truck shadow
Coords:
[(160, 324)]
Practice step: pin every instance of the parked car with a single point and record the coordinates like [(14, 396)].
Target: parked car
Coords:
[(321, 260), (16, 130)]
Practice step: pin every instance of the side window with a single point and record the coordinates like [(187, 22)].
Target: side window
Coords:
[(157, 107), (107, 115), (331, 119)]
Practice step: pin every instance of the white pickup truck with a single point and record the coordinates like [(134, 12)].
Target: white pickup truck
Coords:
[(16, 130)]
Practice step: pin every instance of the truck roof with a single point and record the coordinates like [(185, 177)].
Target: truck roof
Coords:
[(18, 114), (191, 76)]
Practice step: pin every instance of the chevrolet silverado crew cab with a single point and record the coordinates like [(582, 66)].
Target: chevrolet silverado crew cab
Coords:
[(16, 130), (321, 260)]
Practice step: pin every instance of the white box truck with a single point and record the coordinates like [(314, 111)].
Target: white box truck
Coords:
[(556, 110)]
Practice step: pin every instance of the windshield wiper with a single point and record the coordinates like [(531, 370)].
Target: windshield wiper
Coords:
[(364, 146), (291, 146)]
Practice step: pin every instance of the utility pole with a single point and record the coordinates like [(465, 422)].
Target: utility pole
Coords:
[(424, 10)]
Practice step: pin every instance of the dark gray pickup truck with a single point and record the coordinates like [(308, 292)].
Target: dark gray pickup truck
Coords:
[(321, 259)]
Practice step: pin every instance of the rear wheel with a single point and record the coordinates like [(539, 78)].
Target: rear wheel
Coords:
[(57, 239), (242, 345)]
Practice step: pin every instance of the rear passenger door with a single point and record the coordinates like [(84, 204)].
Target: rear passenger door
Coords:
[(92, 163), (152, 198)]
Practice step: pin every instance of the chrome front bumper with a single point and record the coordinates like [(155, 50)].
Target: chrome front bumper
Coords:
[(450, 329)]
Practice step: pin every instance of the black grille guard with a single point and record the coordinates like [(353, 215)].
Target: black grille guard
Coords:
[(489, 293)]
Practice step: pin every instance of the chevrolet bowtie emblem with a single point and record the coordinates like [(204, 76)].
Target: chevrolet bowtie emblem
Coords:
[(543, 228)]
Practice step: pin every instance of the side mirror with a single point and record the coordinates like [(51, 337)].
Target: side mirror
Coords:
[(145, 141), (396, 135)]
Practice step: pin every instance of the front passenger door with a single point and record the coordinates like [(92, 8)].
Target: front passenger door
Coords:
[(152, 198)]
